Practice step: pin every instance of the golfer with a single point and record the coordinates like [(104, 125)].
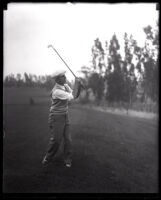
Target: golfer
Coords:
[(58, 118)]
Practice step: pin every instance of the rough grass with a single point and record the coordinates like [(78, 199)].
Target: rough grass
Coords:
[(111, 153)]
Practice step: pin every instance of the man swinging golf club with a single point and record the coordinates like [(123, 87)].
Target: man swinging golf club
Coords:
[(58, 117)]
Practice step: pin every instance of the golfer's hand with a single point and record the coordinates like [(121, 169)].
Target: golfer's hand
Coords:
[(79, 83)]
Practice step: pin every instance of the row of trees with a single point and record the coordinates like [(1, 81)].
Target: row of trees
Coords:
[(28, 80), (124, 77)]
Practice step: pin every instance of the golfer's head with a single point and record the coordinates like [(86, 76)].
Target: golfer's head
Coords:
[(60, 77)]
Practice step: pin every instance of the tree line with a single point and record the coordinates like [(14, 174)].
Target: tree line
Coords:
[(28, 80)]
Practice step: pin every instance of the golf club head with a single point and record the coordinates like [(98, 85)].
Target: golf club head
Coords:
[(49, 45)]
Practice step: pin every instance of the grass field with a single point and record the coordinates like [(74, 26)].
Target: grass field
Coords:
[(111, 153)]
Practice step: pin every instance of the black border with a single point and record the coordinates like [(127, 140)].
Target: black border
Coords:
[(83, 195), (149, 196)]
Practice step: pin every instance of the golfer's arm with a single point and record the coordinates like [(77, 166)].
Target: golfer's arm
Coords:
[(70, 95), (63, 95), (75, 91)]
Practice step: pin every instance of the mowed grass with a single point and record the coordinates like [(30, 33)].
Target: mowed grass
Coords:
[(111, 153)]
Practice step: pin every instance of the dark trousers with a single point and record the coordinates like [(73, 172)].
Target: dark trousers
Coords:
[(60, 132)]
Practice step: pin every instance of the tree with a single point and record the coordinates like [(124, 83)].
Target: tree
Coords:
[(96, 80), (19, 80), (96, 83), (10, 80), (148, 63), (27, 79), (114, 75), (151, 79), (98, 56), (130, 81)]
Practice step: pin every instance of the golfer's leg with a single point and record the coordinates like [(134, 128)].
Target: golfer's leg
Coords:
[(55, 140), (67, 144)]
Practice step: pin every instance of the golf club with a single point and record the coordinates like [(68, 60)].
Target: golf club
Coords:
[(65, 63)]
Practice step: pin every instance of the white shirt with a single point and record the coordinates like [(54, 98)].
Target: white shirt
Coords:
[(63, 92)]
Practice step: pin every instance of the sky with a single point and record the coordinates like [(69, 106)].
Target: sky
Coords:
[(71, 28)]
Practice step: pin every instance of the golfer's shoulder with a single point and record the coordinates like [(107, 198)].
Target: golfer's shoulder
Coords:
[(57, 91)]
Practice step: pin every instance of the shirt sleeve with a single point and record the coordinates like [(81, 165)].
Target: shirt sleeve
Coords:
[(63, 95)]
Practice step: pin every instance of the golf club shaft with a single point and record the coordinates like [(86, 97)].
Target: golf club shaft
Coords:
[(62, 60)]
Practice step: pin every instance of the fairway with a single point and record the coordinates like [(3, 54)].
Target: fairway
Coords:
[(111, 153)]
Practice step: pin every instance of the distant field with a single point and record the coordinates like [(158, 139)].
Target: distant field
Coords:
[(23, 95), (112, 153)]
